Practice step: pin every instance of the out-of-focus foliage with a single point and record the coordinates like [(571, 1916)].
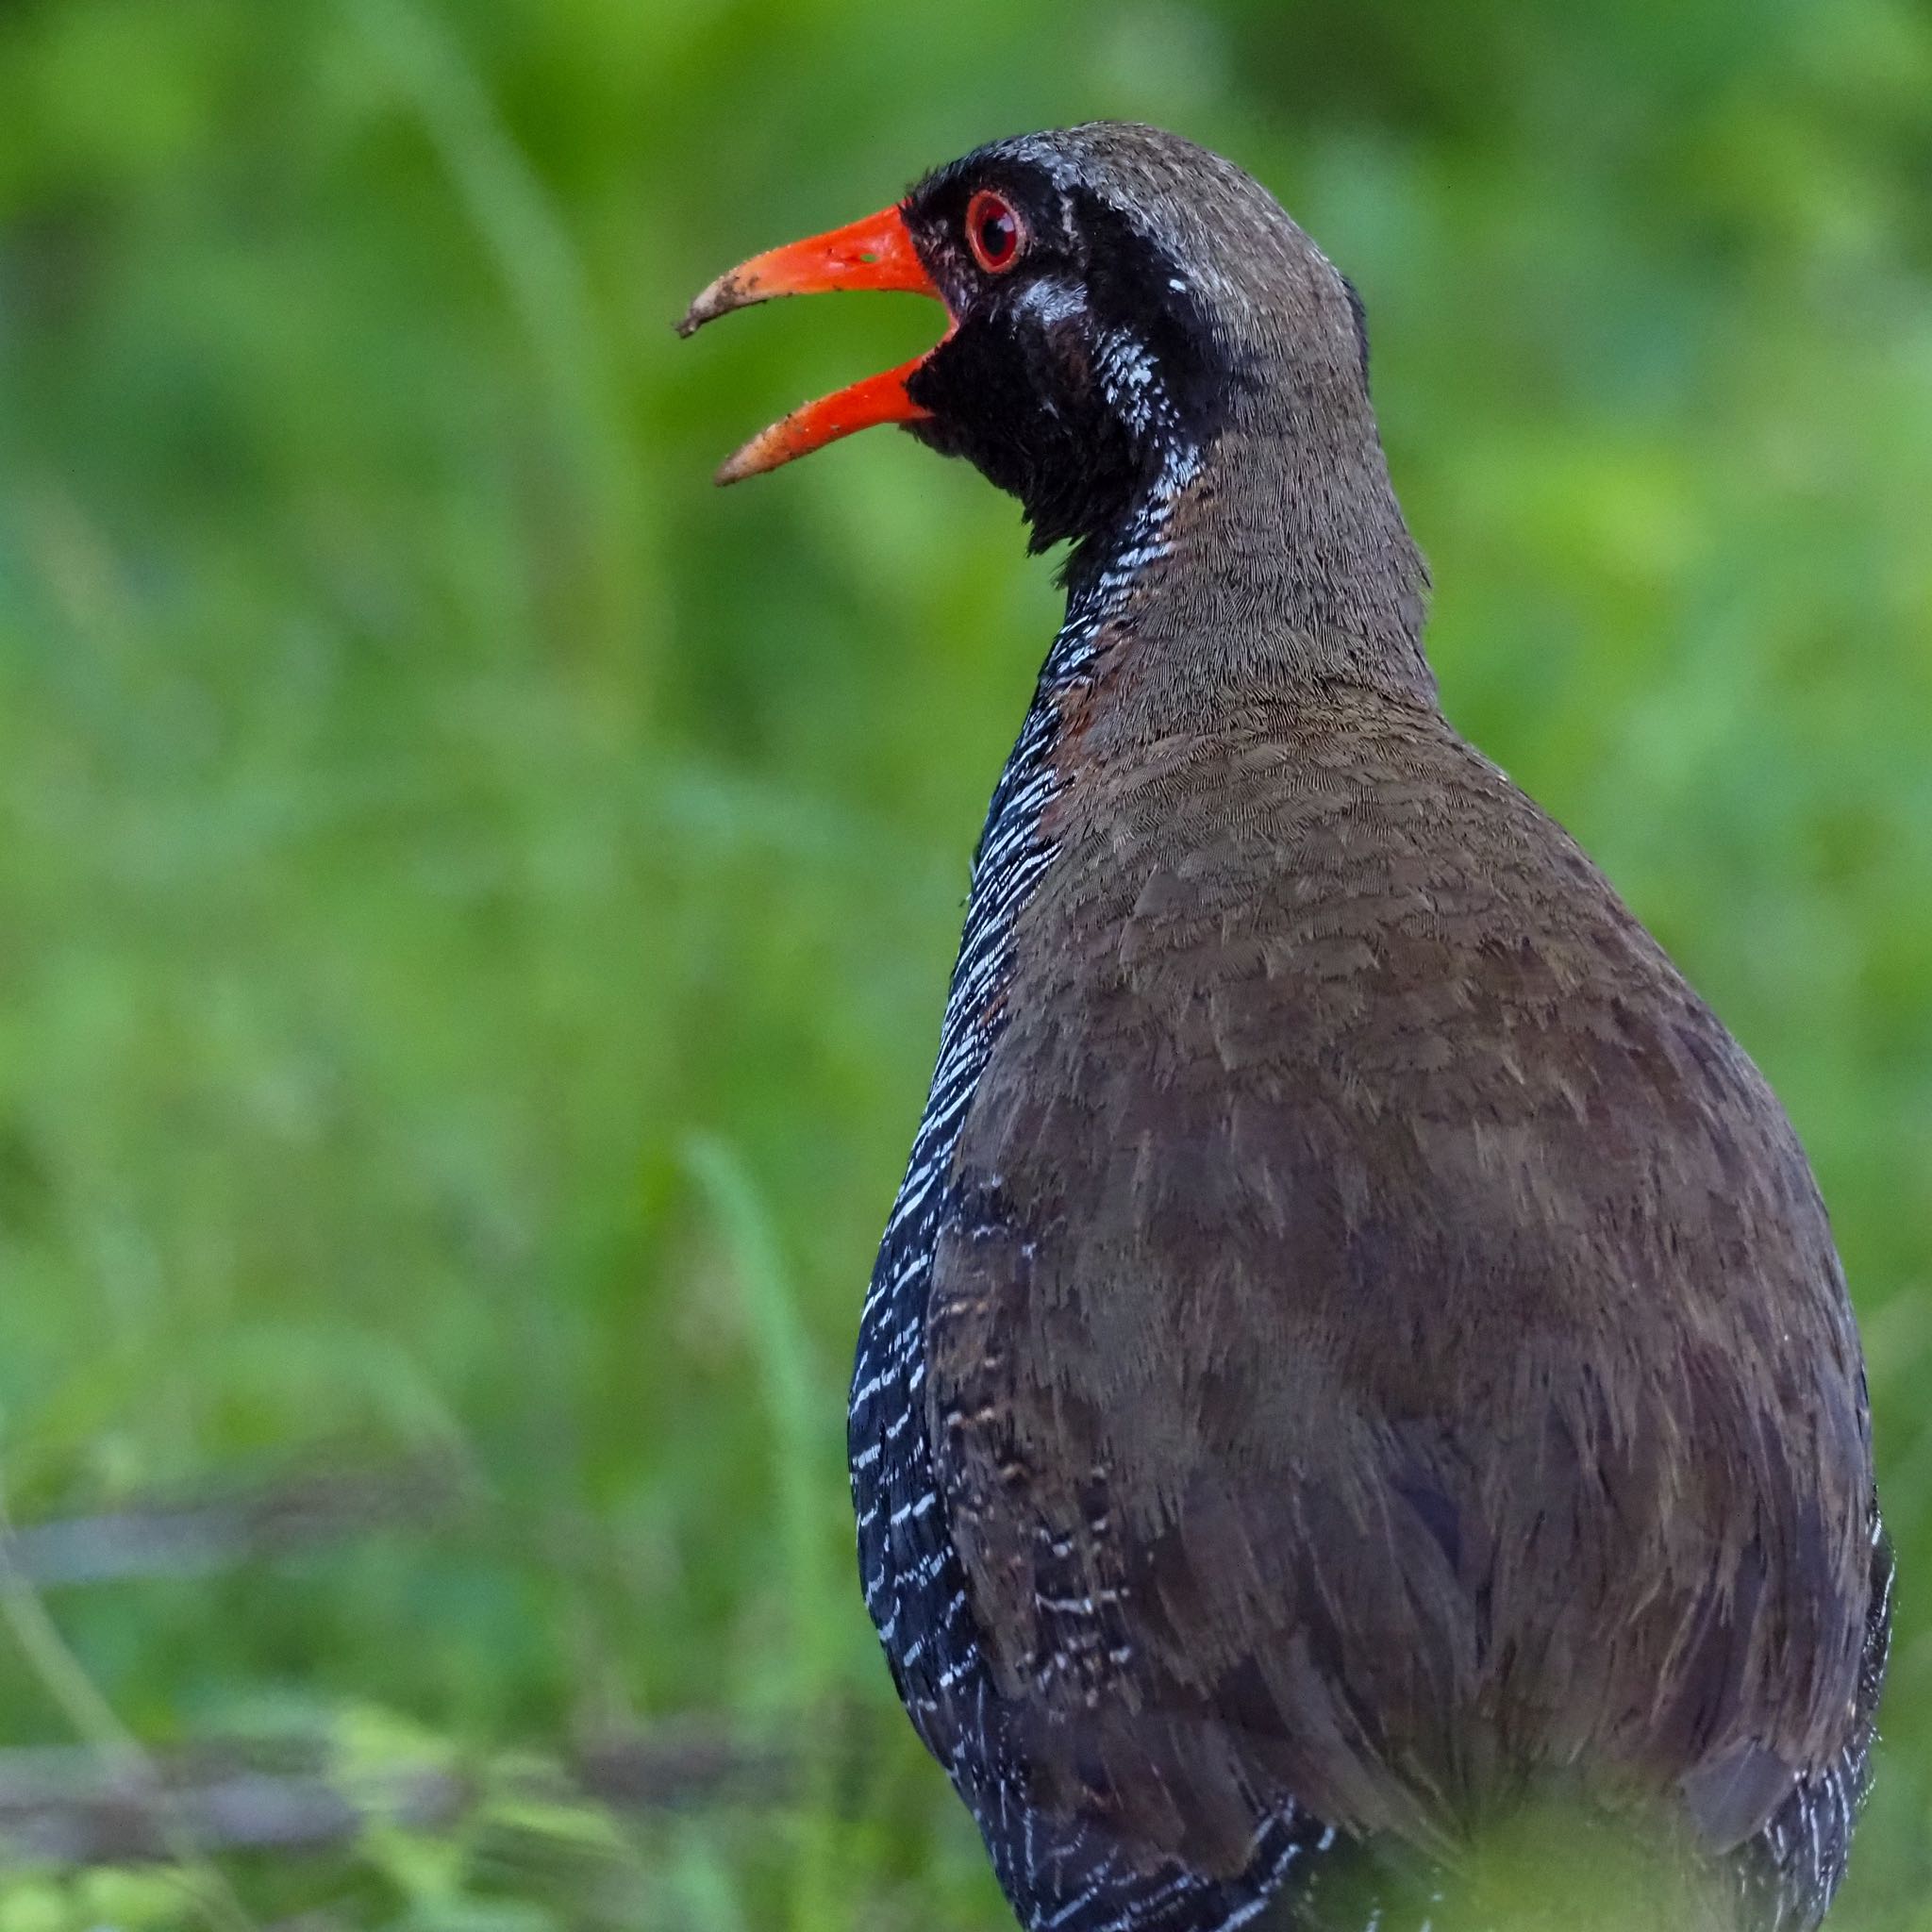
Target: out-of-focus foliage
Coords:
[(475, 904)]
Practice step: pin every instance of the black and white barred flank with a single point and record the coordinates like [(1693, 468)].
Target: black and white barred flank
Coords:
[(1790, 1871)]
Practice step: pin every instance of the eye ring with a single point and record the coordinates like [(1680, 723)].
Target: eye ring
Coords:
[(995, 231)]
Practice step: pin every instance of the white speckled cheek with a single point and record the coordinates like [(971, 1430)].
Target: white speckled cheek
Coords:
[(1051, 302), (1131, 383)]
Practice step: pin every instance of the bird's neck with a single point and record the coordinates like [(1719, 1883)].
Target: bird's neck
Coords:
[(1274, 563)]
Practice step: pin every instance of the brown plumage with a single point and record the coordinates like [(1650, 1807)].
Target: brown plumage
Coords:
[(1427, 1289), (1373, 1349)]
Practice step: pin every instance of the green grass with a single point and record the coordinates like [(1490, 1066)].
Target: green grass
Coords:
[(474, 903)]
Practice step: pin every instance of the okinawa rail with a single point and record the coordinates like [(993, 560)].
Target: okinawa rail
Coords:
[(1358, 1351)]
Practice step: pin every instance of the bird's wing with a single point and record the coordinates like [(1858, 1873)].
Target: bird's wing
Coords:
[(1386, 1343)]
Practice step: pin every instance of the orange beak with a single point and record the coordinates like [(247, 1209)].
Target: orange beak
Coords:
[(876, 253)]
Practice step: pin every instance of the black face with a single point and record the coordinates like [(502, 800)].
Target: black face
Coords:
[(1081, 364)]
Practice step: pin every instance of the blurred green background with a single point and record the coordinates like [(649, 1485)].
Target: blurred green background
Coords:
[(474, 903)]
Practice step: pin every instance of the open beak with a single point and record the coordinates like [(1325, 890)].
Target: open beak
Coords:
[(876, 253)]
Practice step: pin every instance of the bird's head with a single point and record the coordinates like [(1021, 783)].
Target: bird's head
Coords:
[(1119, 298)]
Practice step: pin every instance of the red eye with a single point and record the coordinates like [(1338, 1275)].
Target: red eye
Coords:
[(995, 231)]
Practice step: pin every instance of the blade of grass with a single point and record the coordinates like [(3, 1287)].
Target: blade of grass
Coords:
[(95, 1721), (802, 1410), (544, 277)]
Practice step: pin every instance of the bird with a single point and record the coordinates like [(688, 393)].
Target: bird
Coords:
[(1359, 1355)]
